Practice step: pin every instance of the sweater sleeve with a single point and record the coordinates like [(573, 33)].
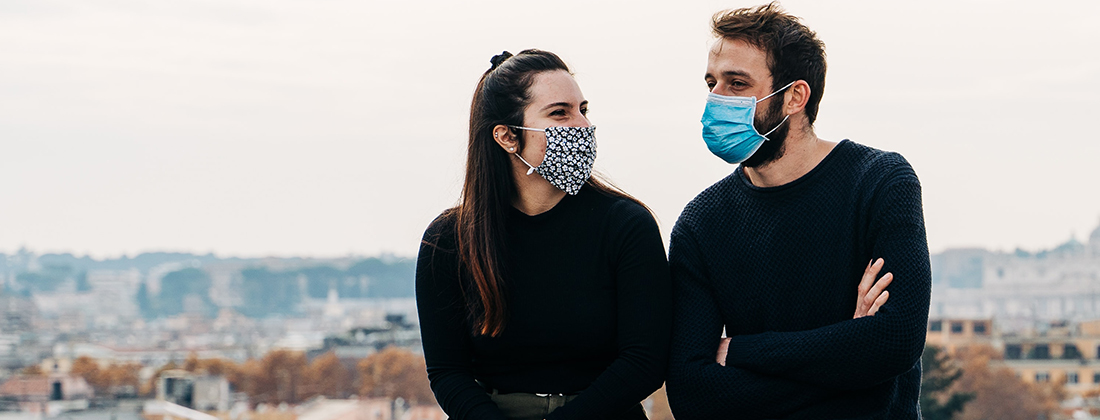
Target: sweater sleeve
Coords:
[(644, 321), (443, 330), (861, 352), (698, 387)]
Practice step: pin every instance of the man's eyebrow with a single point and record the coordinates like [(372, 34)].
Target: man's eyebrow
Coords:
[(736, 73)]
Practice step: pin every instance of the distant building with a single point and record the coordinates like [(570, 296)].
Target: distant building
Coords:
[(1062, 352), (49, 395), (1018, 288), (197, 392)]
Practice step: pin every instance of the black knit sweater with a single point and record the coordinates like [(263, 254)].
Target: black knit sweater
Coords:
[(778, 268), (589, 311)]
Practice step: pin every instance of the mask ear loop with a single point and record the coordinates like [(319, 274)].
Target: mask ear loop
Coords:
[(521, 159), (765, 135)]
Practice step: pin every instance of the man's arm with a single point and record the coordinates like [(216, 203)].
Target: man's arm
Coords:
[(861, 352), (698, 387)]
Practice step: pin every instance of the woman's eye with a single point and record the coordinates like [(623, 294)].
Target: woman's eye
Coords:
[(560, 112), (710, 85), (584, 111)]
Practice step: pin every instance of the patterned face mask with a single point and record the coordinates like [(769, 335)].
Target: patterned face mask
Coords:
[(570, 153)]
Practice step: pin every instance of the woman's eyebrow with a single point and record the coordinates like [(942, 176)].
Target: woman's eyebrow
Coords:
[(557, 104)]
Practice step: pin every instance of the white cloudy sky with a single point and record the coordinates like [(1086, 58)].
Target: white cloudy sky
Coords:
[(280, 127)]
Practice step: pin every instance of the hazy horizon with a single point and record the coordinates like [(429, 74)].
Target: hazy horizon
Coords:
[(326, 129)]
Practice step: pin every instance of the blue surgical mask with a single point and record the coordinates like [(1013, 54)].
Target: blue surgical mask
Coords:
[(727, 126)]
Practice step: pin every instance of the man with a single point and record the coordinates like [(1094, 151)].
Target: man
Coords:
[(777, 252)]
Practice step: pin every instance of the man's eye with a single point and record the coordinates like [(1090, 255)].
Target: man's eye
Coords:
[(710, 85), (584, 111), (558, 112)]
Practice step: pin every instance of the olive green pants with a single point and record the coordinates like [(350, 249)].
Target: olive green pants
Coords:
[(523, 406)]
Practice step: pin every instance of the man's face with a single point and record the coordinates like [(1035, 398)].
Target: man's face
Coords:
[(736, 68)]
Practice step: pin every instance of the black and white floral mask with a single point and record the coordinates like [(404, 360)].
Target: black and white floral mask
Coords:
[(570, 153)]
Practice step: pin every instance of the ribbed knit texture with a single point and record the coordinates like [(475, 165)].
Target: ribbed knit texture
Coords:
[(589, 312), (778, 268)]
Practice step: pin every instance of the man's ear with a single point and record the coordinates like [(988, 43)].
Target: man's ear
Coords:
[(796, 97), (505, 138)]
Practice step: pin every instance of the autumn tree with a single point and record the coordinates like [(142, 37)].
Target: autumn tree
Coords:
[(999, 393), (938, 401), (328, 376), (122, 378), (277, 377), (395, 372), (33, 370), (87, 368)]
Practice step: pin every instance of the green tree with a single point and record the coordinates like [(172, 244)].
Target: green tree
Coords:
[(177, 285), (269, 293), (937, 399), (82, 284), (394, 278), (145, 303)]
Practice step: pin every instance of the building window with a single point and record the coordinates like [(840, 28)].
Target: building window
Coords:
[(1042, 377), (1096, 377), (1071, 378), (935, 326), (956, 327), (1040, 351), (1013, 351), (979, 328), (1071, 352)]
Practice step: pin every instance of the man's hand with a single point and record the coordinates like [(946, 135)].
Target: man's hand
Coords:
[(871, 294), (723, 348)]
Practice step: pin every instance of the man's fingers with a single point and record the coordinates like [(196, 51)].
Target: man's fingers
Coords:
[(869, 275), (878, 303), (878, 288)]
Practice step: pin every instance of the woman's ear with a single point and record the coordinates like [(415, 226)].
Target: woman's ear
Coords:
[(504, 137)]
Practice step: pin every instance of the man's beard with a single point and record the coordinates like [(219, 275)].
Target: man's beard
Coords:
[(772, 149)]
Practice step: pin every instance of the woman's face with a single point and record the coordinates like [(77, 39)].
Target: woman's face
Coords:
[(556, 101)]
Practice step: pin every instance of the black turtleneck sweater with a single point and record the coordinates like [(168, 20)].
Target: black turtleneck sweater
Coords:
[(589, 311), (778, 268)]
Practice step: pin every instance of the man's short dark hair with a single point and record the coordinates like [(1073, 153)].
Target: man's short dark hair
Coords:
[(793, 50)]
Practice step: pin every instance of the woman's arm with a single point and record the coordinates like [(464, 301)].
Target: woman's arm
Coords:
[(644, 319), (444, 331)]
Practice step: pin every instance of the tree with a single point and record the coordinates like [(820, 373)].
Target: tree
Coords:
[(937, 399), (33, 370), (176, 286), (276, 378), (328, 376), (145, 303), (87, 368), (266, 292), (387, 278), (82, 284), (999, 393), (395, 372)]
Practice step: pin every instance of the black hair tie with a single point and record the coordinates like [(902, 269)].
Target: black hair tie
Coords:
[(499, 58)]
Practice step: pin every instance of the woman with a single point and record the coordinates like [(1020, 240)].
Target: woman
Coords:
[(545, 293)]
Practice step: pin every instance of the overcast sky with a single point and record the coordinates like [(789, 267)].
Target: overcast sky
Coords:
[(323, 128)]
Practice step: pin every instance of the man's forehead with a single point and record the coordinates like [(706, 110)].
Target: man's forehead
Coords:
[(735, 54)]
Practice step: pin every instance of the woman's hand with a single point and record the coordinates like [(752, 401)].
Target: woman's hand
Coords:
[(871, 294)]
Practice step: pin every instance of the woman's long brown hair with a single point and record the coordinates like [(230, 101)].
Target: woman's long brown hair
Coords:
[(489, 188)]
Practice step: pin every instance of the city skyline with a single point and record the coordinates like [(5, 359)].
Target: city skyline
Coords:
[(285, 128)]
